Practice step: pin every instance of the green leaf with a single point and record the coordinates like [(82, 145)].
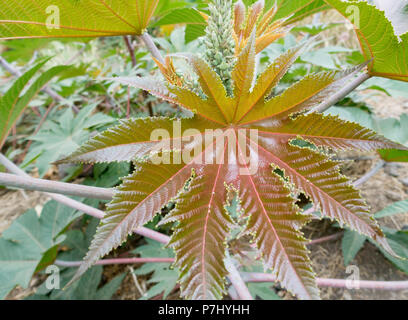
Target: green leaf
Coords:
[(38, 234), (48, 258), (13, 103), (181, 15), (108, 175), (194, 31), (263, 291), (398, 241), (396, 130), (153, 249), (356, 115), (17, 265), (324, 57), (315, 29), (78, 242), (23, 51), (84, 289), (28, 240), (377, 39), (299, 9), (391, 87), (68, 132), (164, 278), (87, 288), (351, 244), (164, 282), (165, 6), (394, 155), (74, 19), (393, 209)]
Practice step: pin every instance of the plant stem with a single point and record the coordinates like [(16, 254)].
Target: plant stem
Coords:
[(336, 283), (342, 93), (131, 50), (370, 173), (115, 261), (148, 41), (29, 183), (151, 234), (237, 281), (325, 239), (235, 278), (11, 167)]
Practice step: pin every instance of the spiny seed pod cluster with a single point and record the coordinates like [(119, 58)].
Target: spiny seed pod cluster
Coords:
[(219, 41)]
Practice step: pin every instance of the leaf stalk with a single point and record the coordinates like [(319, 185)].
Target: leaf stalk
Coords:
[(335, 283), (342, 93), (154, 235), (32, 184)]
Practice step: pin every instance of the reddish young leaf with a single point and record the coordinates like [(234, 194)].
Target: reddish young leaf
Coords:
[(239, 142), (201, 234)]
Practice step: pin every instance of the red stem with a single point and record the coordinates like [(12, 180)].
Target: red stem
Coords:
[(258, 277), (131, 50), (336, 283), (105, 262), (325, 239)]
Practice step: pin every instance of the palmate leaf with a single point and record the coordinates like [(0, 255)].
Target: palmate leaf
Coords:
[(24, 244), (181, 15), (161, 274), (275, 224), (146, 191), (393, 209), (303, 95), (377, 39), (67, 132), (200, 236), (133, 138), (396, 130), (297, 10), (74, 19), (351, 244), (15, 100), (273, 219), (326, 131)]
